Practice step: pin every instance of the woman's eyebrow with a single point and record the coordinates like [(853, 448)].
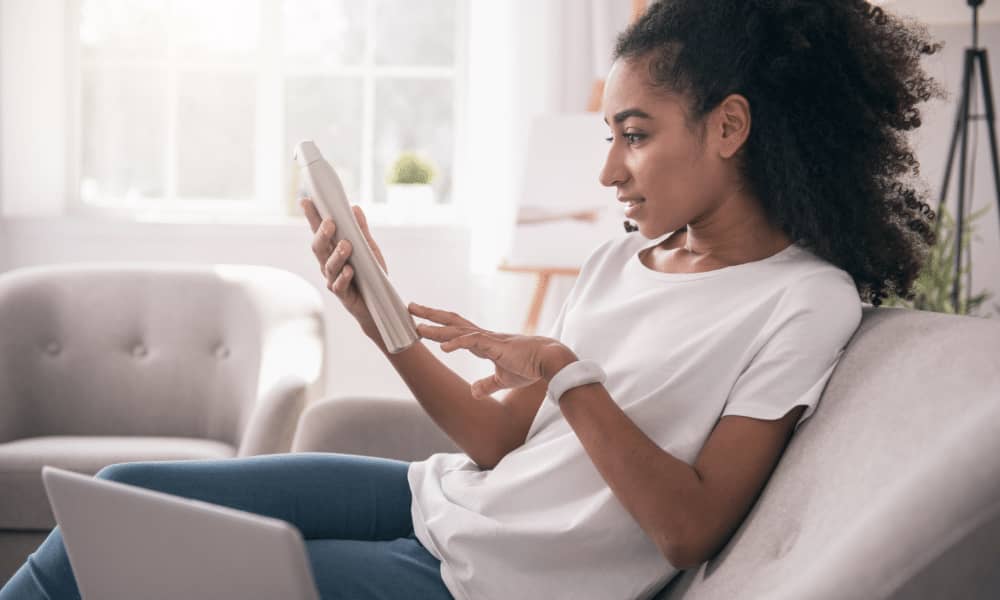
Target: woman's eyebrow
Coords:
[(629, 112)]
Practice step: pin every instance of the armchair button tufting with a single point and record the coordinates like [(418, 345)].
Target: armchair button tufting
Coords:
[(139, 351), (53, 348), (222, 352)]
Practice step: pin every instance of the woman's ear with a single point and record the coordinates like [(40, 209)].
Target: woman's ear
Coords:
[(732, 124)]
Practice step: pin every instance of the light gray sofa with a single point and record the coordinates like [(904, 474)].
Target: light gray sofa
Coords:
[(890, 490), (115, 362)]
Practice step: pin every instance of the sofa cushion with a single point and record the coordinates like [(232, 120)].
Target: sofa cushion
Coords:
[(902, 449), (24, 504)]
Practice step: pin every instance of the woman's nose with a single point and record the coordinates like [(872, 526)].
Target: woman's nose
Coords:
[(613, 172)]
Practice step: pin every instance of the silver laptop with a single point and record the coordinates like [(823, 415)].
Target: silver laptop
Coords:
[(127, 542)]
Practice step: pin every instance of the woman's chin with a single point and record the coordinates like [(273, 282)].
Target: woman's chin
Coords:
[(647, 230)]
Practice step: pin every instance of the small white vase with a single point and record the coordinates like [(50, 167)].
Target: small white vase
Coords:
[(407, 202)]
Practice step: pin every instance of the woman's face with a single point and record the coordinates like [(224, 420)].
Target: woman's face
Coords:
[(654, 156)]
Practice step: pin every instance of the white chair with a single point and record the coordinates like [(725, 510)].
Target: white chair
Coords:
[(106, 363)]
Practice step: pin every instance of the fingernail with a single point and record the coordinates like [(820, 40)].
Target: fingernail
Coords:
[(327, 226)]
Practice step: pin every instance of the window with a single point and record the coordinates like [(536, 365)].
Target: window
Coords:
[(193, 107)]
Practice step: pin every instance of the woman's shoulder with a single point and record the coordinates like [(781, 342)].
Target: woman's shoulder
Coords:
[(811, 274), (819, 291)]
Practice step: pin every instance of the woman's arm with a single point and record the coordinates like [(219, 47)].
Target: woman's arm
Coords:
[(689, 512), (482, 427)]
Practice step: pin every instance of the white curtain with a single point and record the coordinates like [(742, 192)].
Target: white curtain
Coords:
[(526, 57), (585, 32)]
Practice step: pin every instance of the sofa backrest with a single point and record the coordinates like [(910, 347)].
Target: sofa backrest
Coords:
[(140, 349), (895, 472)]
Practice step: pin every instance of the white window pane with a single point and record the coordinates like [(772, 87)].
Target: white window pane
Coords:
[(325, 32), (414, 115), (215, 135), (415, 33), (215, 29), (123, 28), (327, 110), (123, 134)]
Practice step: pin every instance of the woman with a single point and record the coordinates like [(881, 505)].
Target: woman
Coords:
[(759, 146)]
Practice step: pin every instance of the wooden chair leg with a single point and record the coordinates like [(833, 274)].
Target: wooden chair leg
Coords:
[(541, 287)]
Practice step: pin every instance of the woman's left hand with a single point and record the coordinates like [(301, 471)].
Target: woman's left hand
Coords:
[(520, 360)]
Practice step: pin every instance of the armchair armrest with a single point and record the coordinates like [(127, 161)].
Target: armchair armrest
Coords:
[(384, 427), (272, 421)]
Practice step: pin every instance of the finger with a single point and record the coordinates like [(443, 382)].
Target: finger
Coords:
[(441, 334), (311, 213), (440, 316), (322, 244), (476, 342), (336, 262), (363, 222), (486, 386), (342, 282)]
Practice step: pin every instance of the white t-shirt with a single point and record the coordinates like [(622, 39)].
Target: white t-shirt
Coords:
[(680, 350)]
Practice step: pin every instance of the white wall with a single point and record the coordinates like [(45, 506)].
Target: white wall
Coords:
[(33, 125), (943, 12)]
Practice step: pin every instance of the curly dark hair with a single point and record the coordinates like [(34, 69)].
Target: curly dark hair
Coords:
[(833, 87)]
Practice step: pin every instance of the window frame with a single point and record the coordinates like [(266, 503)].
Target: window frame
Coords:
[(272, 200)]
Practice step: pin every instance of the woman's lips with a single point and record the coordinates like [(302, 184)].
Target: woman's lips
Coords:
[(633, 207)]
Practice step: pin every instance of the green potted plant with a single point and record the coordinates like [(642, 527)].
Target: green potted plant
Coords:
[(932, 288), (408, 185)]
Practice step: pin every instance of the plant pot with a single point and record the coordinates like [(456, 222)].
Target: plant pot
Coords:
[(407, 202)]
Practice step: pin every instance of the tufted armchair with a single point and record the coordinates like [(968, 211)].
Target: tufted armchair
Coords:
[(890, 490), (114, 362)]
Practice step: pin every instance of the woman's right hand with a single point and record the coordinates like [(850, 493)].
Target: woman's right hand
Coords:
[(333, 263)]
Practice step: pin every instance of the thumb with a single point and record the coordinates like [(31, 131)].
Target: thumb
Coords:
[(486, 386), (359, 215)]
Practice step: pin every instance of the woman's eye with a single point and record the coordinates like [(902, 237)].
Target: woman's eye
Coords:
[(631, 138)]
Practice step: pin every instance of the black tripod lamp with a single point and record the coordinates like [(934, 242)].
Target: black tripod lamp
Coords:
[(975, 59)]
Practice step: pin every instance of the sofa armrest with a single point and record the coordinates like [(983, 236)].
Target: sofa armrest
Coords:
[(384, 427), (273, 419)]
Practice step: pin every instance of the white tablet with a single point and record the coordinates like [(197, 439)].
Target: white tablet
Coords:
[(392, 318)]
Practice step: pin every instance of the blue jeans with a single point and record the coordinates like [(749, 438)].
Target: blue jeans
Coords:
[(353, 511)]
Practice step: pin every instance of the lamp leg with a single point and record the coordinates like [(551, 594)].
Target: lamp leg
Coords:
[(967, 75), (984, 70)]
